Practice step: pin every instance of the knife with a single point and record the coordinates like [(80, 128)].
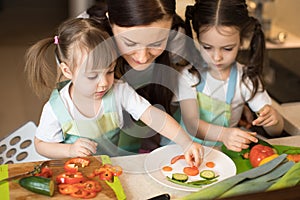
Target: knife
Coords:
[(161, 197)]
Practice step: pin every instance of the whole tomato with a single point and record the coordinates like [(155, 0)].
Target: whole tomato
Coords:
[(258, 153)]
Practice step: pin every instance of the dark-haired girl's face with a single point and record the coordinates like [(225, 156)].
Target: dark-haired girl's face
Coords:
[(219, 47), (141, 45)]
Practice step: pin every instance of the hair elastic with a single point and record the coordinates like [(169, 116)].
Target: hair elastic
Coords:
[(56, 39)]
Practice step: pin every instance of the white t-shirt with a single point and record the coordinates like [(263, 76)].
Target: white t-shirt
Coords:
[(217, 89), (49, 128)]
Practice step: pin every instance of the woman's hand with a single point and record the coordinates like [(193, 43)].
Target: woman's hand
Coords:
[(194, 154), (82, 147), (236, 139)]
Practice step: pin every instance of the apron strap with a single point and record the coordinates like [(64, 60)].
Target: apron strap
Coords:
[(231, 84), (59, 108)]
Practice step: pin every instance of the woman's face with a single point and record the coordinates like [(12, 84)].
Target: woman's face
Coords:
[(141, 45)]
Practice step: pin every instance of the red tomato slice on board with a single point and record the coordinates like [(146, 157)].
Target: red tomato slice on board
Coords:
[(176, 158), (258, 153), (191, 171)]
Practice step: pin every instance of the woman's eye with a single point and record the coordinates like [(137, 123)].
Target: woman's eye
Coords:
[(155, 45), (130, 44), (111, 72)]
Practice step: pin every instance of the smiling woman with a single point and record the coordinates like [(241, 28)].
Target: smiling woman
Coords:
[(154, 48)]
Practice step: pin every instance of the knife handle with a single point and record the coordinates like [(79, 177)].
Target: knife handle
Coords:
[(161, 197)]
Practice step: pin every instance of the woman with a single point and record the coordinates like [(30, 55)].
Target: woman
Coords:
[(155, 54)]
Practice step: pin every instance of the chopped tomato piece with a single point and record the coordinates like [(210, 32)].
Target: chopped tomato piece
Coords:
[(191, 171), (167, 168), (73, 164), (70, 178), (210, 164), (176, 158)]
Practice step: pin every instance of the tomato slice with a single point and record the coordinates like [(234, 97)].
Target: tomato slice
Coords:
[(167, 168), (176, 158), (73, 164), (191, 171), (65, 188), (70, 178), (210, 164)]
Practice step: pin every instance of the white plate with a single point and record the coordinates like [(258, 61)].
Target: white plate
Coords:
[(224, 166)]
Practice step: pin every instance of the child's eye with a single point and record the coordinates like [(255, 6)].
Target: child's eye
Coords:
[(92, 77), (206, 47), (228, 48)]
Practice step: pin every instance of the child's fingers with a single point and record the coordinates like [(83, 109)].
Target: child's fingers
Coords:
[(89, 145)]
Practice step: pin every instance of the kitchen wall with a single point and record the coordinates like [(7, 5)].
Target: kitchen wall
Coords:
[(285, 14)]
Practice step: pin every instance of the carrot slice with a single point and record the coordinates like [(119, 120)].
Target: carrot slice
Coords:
[(167, 168), (191, 171), (210, 164), (176, 158)]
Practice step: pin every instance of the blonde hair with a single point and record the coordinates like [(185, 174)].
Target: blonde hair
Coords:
[(72, 35)]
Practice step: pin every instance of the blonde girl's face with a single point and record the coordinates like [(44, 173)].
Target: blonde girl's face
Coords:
[(219, 47), (141, 45), (91, 84)]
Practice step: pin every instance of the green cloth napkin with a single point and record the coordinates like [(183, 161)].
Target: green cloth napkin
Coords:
[(4, 186), (116, 186)]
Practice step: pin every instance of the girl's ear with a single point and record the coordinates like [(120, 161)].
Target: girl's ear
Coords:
[(66, 70)]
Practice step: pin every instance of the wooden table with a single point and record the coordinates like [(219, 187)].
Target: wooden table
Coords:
[(136, 182)]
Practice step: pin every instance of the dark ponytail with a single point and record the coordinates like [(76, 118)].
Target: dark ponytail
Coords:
[(256, 54), (99, 12)]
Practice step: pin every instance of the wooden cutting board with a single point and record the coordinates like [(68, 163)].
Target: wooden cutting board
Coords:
[(18, 192)]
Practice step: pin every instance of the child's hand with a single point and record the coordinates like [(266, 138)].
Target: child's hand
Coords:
[(267, 116), (82, 147), (194, 154), (236, 139)]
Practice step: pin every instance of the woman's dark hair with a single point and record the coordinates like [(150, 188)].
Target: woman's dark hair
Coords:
[(129, 13), (208, 13)]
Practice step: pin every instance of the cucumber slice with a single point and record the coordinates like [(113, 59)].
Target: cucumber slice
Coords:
[(39, 185), (207, 174), (180, 177)]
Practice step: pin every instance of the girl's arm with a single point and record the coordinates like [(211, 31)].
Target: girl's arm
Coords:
[(233, 138), (167, 126), (82, 147)]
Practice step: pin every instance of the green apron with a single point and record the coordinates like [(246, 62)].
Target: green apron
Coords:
[(212, 110), (104, 130)]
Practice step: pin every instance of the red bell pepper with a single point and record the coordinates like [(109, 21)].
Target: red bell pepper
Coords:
[(73, 164), (70, 178)]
